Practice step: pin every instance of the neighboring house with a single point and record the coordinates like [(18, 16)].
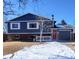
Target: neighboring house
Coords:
[(29, 26)]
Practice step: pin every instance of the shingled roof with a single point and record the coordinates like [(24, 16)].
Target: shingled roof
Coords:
[(29, 16)]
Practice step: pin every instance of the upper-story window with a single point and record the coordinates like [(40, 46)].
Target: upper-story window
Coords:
[(32, 25), (14, 25)]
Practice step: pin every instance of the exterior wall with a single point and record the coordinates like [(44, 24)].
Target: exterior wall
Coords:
[(5, 37), (73, 37), (10, 37), (54, 34), (25, 37), (23, 28)]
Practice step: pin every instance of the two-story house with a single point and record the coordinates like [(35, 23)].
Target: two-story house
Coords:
[(28, 28), (31, 27)]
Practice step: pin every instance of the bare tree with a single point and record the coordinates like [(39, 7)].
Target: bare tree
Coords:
[(63, 22), (9, 8)]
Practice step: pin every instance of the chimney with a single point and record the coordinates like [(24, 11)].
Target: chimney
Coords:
[(53, 21), (52, 17)]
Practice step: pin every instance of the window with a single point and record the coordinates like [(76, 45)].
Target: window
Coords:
[(43, 38), (17, 36), (32, 25), (15, 25)]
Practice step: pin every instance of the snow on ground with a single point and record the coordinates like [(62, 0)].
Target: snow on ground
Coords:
[(51, 50)]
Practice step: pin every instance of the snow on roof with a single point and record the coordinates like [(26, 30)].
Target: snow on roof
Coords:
[(65, 26), (51, 50)]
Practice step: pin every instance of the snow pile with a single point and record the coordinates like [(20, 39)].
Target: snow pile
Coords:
[(49, 50)]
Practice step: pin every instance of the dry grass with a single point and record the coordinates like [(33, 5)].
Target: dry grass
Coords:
[(72, 46), (11, 47)]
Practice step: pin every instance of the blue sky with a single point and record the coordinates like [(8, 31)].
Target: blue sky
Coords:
[(62, 9)]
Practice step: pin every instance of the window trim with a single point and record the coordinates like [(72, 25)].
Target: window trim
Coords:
[(28, 25), (11, 24)]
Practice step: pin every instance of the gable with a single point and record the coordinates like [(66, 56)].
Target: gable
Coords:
[(29, 16)]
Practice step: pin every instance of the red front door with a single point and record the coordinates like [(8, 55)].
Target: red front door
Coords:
[(54, 35)]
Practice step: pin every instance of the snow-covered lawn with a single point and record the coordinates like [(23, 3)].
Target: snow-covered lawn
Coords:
[(11, 47), (50, 50)]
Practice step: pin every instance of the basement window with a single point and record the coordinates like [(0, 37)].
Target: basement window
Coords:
[(14, 25), (32, 25), (43, 39)]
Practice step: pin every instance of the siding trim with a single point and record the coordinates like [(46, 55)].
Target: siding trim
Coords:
[(30, 33), (62, 28), (27, 21)]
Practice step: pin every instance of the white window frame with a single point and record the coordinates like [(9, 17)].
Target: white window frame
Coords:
[(28, 25), (11, 24), (43, 38)]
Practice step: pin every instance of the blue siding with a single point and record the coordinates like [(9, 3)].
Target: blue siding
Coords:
[(23, 29), (31, 18)]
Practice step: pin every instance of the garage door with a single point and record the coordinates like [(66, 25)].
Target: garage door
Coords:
[(64, 35)]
